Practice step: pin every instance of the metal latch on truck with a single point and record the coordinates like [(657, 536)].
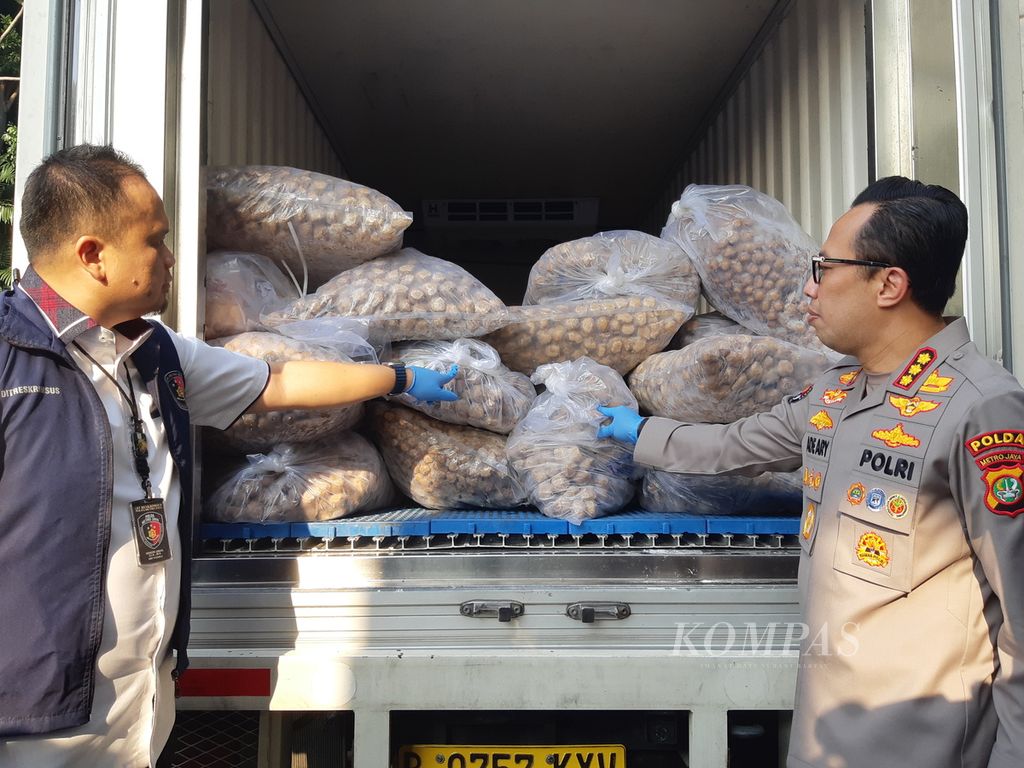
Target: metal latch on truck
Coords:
[(588, 613), (505, 610)]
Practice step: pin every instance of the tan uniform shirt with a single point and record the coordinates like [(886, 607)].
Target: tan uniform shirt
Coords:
[(912, 565)]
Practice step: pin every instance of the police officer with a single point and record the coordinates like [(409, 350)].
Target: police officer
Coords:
[(912, 566)]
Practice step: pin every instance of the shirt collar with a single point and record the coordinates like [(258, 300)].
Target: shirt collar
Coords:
[(68, 321)]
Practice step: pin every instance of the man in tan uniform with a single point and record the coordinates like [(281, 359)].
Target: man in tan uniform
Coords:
[(912, 570)]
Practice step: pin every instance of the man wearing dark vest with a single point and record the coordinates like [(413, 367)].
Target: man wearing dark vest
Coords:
[(912, 563), (96, 405)]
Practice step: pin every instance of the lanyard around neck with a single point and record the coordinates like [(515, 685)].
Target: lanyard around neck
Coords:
[(137, 436)]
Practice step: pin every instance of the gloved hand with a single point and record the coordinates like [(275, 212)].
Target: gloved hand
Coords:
[(625, 423), (428, 386)]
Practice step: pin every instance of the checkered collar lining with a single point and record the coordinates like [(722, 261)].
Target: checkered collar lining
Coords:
[(69, 321)]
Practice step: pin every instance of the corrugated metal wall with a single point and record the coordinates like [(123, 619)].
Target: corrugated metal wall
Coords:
[(795, 124), (255, 110)]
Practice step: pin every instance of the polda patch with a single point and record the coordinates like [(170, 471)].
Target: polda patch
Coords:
[(1000, 457)]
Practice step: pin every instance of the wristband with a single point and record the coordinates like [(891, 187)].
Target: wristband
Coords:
[(401, 378)]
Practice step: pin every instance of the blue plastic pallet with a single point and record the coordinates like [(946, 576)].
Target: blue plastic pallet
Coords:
[(424, 522)]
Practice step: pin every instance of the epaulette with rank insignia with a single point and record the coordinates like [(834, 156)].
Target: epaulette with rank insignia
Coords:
[(915, 368)]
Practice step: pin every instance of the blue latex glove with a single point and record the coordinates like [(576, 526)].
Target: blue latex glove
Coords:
[(428, 386), (625, 423)]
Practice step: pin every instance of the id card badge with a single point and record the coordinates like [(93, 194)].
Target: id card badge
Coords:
[(149, 524)]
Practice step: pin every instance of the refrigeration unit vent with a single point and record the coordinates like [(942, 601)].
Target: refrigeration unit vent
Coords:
[(575, 212)]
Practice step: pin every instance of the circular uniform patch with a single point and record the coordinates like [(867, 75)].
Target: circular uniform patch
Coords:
[(872, 550), (855, 494), (898, 506), (876, 499)]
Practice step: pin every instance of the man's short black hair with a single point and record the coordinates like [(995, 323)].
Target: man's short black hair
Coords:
[(78, 188), (919, 227)]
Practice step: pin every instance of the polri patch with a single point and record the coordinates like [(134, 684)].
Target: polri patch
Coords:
[(175, 381)]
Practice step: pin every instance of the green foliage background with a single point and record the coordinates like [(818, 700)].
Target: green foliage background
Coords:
[(10, 67)]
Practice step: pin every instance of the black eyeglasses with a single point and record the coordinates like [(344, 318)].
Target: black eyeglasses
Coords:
[(817, 261)]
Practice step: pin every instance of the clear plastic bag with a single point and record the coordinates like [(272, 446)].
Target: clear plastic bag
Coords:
[(719, 379), (770, 493), (702, 326), (566, 470), (752, 256), (239, 287), (404, 296), (296, 216), (617, 332), (441, 465), (331, 341), (618, 263), (490, 395), (303, 482)]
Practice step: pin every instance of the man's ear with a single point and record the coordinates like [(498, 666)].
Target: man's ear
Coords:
[(895, 287), (89, 252)]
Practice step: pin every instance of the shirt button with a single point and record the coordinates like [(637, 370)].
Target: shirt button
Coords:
[(957, 355)]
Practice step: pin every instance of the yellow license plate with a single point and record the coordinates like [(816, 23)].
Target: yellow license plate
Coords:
[(515, 756)]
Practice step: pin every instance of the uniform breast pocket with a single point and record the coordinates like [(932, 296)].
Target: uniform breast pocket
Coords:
[(876, 550)]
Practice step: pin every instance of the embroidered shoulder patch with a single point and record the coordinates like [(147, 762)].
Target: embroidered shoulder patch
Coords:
[(922, 359), (175, 381), (1000, 457)]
